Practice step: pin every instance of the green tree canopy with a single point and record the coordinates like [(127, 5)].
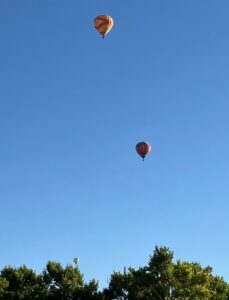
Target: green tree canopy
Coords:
[(163, 279), (55, 282), (160, 279)]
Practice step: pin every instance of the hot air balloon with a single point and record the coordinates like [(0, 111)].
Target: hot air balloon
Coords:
[(143, 149), (103, 24), (76, 260)]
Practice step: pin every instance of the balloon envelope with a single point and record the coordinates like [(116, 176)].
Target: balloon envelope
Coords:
[(76, 260), (103, 24), (143, 149)]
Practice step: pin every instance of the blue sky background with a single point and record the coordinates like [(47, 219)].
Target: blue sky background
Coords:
[(72, 108)]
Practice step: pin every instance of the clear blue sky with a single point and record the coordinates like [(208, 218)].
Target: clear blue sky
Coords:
[(72, 108)]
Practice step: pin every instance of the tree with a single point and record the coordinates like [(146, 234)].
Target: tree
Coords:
[(190, 281), (4, 283), (162, 279), (67, 283), (149, 282), (18, 283), (55, 282)]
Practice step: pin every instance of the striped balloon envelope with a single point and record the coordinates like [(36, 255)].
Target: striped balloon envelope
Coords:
[(103, 24)]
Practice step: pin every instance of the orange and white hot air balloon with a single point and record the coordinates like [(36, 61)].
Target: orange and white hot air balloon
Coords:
[(103, 24), (143, 149)]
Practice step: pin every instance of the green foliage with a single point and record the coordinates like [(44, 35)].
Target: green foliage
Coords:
[(190, 281), (20, 283), (150, 282), (4, 283), (55, 282), (160, 279)]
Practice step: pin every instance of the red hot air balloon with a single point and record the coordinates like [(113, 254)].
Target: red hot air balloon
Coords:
[(143, 149)]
